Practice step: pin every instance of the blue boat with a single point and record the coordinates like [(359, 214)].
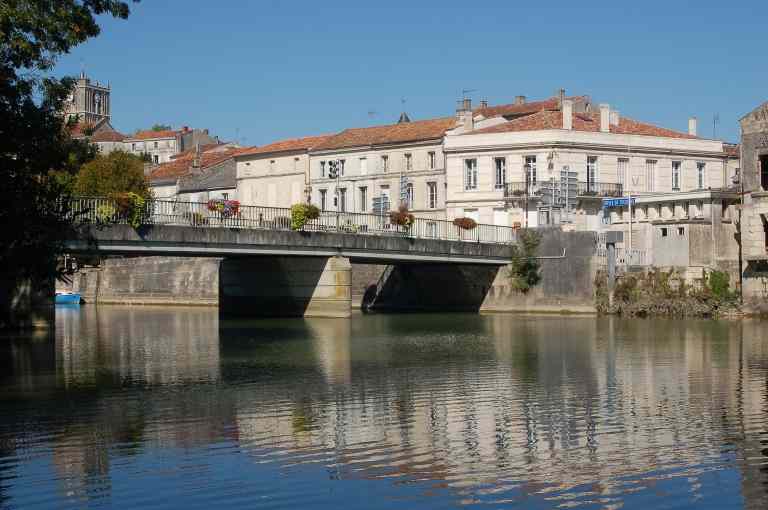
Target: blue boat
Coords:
[(67, 298)]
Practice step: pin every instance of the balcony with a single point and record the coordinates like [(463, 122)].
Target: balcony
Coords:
[(574, 189)]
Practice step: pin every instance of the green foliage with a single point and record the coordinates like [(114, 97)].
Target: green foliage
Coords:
[(524, 269), (302, 213), (666, 293), (34, 139), (132, 207), (161, 127), (117, 172), (106, 213)]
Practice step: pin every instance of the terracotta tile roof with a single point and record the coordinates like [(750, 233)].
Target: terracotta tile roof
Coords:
[(182, 166), (107, 136), (150, 134), (293, 144), (581, 122), (514, 110), (203, 148), (394, 133)]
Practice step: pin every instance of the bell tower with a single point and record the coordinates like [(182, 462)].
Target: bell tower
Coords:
[(89, 101)]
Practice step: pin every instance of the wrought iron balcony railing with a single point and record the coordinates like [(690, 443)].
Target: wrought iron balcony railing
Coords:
[(573, 189)]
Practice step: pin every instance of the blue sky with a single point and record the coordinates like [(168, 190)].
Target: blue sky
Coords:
[(258, 71)]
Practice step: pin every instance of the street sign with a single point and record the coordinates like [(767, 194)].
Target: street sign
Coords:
[(616, 202), (381, 205)]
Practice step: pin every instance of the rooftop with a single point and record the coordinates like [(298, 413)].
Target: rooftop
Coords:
[(182, 166), (588, 121), (150, 134), (414, 131), (289, 145)]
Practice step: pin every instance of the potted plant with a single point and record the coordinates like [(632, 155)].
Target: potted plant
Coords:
[(302, 213), (465, 223), (225, 208), (401, 217), (131, 207)]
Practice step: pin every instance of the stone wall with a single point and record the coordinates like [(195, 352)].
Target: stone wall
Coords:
[(567, 283), (150, 280)]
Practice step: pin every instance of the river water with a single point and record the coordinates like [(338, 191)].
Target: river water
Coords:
[(172, 408)]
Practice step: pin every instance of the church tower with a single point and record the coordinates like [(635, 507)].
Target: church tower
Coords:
[(89, 101)]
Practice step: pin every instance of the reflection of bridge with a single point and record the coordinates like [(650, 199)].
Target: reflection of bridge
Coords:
[(305, 272)]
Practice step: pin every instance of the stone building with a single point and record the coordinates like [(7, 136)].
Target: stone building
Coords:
[(277, 174), (754, 222), (160, 146), (400, 162), (89, 102), (556, 164)]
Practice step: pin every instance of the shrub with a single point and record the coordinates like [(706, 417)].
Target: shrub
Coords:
[(465, 223), (402, 217), (524, 268), (116, 172), (302, 213), (195, 219), (105, 213), (132, 207), (718, 283)]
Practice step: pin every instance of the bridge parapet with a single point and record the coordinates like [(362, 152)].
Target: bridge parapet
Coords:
[(102, 210)]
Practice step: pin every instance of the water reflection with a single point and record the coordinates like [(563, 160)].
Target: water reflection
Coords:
[(466, 409)]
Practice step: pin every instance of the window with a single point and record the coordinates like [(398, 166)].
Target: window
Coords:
[(764, 172), (664, 232), (431, 160), (726, 210), (622, 169), (323, 198), (650, 174), (295, 164), (225, 196), (530, 170), (408, 162), (673, 209), (363, 198), (431, 195), (133, 146), (700, 175), (363, 166), (322, 169), (500, 165), (271, 165), (470, 174), (591, 173), (681, 231), (155, 145), (409, 195), (156, 159), (676, 175), (385, 163), (341, 167), (342, 203)]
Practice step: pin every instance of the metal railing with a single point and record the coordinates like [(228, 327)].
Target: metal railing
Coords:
[(575, 189), (105, 211)]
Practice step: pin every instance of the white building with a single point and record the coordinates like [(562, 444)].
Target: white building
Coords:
[(277, 174), (555, 165)]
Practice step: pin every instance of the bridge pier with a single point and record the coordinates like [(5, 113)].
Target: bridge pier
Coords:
[(285, 287)]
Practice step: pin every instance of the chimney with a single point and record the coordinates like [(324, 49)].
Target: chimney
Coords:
[(464, 116), (519, 99), (605, 118), (560, 98), (615, 117), (484, 103), (692, 122), (196, 160), (466, 104), (567, 114)]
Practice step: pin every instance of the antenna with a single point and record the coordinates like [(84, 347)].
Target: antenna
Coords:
[(464, 92), (715, 122), (403, 101), (372, 113)]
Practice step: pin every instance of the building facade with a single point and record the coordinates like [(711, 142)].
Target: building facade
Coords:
[(88, 102), (387, 165), (555, 166), (754, 182), (277, 174)]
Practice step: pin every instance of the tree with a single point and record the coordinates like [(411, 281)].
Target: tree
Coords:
[(117, 172), (33, 138), (161, 127)]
